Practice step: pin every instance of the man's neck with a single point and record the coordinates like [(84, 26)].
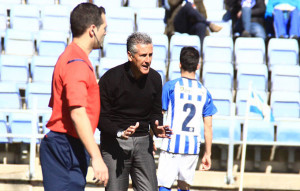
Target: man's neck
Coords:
[(83, 45), (190, 75)]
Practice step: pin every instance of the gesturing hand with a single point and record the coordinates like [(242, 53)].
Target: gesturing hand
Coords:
[(130, 130), (162, 131)]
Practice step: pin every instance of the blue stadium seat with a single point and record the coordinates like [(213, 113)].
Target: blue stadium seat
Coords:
[(160, 67), (285, 104), (14, 68), (241, 99), (42, 68), (174, 71), (151, 20), (114, 46), (120, 20), (3, 128), (56, 17), (260, 131), (38, 95), (285, 78), (40, 2), (180, 40), (45, 119), (3, 21), (142, 3), (108, 3), (160, 47), (215, 16), (71, 3), (51, 43), (258, 74), (25, 18), (9, 4), (249, 50), (218, 49), (97, 136), (17, 42), (108, 63), (217, 75), (213, 5), (288, 132), (283, 51), (21, 124), (10, 93), (95, 54), (221, 130), (223, 100)]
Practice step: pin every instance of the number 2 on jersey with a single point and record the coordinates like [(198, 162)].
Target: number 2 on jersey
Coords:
[(189, 117)]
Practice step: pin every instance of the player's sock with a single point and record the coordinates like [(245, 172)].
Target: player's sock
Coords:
[(164, 189)]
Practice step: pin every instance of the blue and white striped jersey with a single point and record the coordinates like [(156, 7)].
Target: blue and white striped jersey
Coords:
[(186, 101)]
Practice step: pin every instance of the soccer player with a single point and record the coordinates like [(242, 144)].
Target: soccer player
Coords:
[(66, 150), (186, 101)]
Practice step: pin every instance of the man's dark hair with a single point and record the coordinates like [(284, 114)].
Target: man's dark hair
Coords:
[(189, 59), (83, 16)]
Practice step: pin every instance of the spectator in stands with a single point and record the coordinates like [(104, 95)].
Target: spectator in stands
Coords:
[(187, 16), (66, 150), (286, 18), (248, 17), (130, 97)]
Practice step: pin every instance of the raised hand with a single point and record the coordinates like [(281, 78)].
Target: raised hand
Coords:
[(162, 131)]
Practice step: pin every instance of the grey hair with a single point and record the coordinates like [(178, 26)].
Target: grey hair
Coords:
[(137, 38)]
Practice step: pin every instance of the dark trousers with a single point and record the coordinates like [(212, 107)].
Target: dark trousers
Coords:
[(130, 157), (64, 162), (190, 20)]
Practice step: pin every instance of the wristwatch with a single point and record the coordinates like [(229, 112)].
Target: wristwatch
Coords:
[(119, 134)]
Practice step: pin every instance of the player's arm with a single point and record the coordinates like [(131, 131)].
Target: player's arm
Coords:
[(84, 130), (208, 134)]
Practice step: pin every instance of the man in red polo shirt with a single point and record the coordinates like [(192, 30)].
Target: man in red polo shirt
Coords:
[(66, 150)]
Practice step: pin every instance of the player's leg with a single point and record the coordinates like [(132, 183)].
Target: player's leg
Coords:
[(167, 170), (187, 171), (117, 157), (143, 172)]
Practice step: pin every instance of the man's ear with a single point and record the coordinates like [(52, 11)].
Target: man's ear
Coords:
[(129, 55)]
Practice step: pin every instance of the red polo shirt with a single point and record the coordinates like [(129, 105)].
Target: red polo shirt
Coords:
[(73, 84)]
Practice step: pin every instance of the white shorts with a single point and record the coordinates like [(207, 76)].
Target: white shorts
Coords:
[(173, 167)]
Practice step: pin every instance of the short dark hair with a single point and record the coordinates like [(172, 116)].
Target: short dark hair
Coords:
[(189, 58), (83, 16), (137, 38)]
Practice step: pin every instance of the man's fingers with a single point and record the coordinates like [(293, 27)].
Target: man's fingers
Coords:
[(137, 124), (156, 122)]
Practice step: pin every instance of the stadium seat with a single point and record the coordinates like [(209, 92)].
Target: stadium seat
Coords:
[(108, 3), (25, 18), (213, 5), (285, 78), (160, 67), (37, 95), (288, 132), (217, 75), (249, 50), (51, 43), (258, 74), (221, 130), (42, 68), (283, 51), (95, 54), (17, 42), (14, 68), (9, 4), (114, 46), (71, 3), (3, 21), (56, 17), (108, 63), (218, 49), (142, 3), (180, 40), (223, 100), (10, 93), (21, 124), (241, 100), (97, 136), (45, 119), (260, 132), (160, 47), (151, 20), (3, 128), (120, 20), (216, 16), (174, 71), (285, 104)]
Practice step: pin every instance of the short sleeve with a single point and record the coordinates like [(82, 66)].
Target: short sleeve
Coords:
[(209, 108), (75, 83), (165, 96)]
